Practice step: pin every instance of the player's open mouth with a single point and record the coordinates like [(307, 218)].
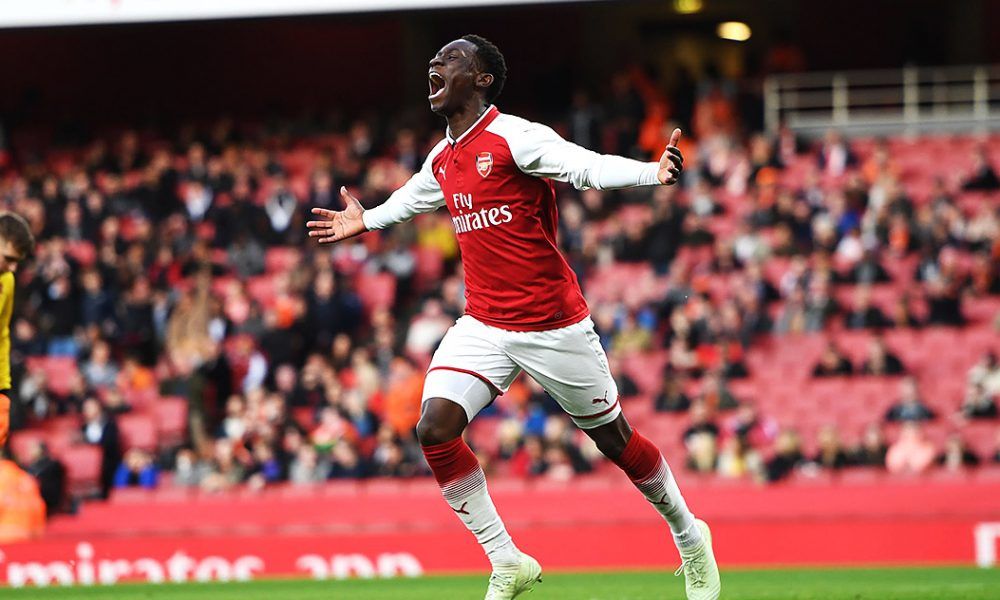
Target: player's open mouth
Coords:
[(437, 85)]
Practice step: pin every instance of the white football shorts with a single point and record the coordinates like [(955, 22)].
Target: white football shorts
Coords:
[(476, 362)]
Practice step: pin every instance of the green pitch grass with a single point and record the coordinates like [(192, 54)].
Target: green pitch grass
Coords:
[(799, 584)]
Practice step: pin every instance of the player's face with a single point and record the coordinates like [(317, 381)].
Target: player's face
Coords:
[(452, 77), (9, 257)]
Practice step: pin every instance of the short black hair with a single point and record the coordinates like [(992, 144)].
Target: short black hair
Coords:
[(492, 62)]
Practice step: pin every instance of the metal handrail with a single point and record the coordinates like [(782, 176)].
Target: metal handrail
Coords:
[(909, 100)]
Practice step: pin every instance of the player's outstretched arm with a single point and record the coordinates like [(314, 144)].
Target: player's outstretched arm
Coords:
[(338, 225), (541, 152), (672, 161)]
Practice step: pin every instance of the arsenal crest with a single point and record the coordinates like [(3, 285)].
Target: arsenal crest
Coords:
[(484, 163)]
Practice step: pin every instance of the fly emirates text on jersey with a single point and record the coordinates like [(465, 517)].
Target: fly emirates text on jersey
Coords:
[(468, 219)]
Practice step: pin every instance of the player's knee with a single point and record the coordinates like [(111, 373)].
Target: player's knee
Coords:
[(431, 431)]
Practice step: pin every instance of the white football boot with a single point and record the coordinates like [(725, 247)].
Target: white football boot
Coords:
[(508, 584), (701, 572)]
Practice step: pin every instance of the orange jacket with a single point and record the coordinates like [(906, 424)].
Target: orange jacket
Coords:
[(22, 511)]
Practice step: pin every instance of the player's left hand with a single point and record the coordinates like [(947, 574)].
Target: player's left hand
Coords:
[(672, 162)]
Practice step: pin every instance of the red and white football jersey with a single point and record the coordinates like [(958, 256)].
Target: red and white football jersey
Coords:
[(496, 180)]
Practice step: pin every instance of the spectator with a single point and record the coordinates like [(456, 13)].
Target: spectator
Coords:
[(308, 467), (757, 430), (868, 270), (99, 371), (701, 422), (978, 404), (50, 475), (716, 394), (983, 177), (702, 452), (627, 387), (427, 328), (787, 456), (820, 305), (880, 361), (189, 470), (912, 452), (902, 315), (738, 459), (872, 450), (956, 455), (864, 315), (986, 373), (532, 457), (137, 469), (246, 255), (832, 362), (391, 457), (346, 463), (835, 156), (909, 407), (672, 397), (22, 510), (559, 435), (100, 429), (402, 401), (831, 454), (265, 467), (225, 469), (631, 337)]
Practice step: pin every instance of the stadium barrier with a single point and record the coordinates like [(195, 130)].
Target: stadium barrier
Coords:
[(362, 531)]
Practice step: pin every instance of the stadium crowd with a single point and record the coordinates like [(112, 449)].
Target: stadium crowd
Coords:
[(179, 266)]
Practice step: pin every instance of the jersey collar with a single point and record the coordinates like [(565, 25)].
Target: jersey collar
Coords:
[(484, 119)]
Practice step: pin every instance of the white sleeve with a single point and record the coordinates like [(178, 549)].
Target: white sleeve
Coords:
[(539, 151), (420, 194)]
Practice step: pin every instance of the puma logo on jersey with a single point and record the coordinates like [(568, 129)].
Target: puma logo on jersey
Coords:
[(441, 171)]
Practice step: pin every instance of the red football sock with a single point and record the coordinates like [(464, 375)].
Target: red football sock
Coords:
[(463, 485)]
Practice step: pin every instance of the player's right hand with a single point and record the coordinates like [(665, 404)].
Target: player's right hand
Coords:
[(338, 225), (4, 418)]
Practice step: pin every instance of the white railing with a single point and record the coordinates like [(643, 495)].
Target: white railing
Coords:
[(909, 101)]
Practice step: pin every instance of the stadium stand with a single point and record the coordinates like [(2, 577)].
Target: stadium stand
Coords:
[(275, 361)]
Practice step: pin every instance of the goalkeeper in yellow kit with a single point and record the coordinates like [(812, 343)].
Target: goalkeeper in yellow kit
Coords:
[(16, 244)]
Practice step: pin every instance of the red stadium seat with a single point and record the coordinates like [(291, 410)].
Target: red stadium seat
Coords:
[(429, 268), (263, 289), (171, 414), (82, 252), (281, 259), (22, 442), (60, 372), (138, 430), (83, 469), (376, 290)]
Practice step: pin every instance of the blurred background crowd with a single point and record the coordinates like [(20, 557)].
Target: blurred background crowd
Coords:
[(177, 321)]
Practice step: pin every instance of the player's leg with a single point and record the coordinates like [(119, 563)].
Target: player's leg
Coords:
[(572, 367), (467, 372), (455, 466), (646, 467)]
